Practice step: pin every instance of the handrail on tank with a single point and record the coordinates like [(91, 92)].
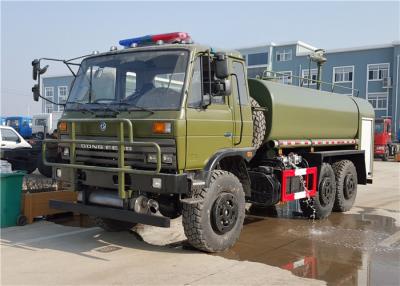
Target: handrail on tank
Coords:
[(265, 76), (121, 143)]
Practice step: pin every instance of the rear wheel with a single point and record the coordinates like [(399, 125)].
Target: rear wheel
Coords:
[(112, 225), (346, 185), (320, 206), (215, 223)]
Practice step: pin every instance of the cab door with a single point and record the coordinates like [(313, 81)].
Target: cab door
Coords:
[(209, 128), (243, 123)]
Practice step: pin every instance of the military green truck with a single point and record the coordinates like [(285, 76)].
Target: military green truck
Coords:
[(164, 127)]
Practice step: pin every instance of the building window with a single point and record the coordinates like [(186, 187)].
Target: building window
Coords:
[(306, 76), (378, 100), (343, 74), (62, 96), (49, 95), (285, 77), (378, 71), (284, 55), (257, 59)]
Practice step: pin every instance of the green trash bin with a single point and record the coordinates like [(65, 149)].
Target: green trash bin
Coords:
[(10, 203)]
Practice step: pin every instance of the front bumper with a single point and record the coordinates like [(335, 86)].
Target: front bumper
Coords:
[(170, 183), (111, 213), (379, 150)]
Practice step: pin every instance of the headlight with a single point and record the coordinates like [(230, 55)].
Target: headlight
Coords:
[(167, 158), (152, 158), (66, 151)]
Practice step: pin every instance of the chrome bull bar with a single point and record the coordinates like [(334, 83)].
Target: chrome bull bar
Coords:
[(121, 143)]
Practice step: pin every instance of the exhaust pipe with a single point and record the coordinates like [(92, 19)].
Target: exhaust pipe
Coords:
[(145, 205), (153, 206)]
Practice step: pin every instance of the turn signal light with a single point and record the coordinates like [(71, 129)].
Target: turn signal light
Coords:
[(63, 126), (162, 127)]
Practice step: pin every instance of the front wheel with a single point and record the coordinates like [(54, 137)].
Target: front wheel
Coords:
[(215, 223), (320, 206)]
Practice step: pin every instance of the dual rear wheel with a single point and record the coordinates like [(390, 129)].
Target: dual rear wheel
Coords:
[(337, 190)]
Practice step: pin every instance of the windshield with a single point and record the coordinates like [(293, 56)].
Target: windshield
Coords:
[(41, 122), (151, 80), (378, 127), (12, 122)]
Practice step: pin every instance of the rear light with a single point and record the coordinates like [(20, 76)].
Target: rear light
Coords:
[(162, 127), (63, 126), (177, 37)]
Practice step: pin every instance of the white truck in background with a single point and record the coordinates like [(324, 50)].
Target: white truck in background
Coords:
[(45, 123)]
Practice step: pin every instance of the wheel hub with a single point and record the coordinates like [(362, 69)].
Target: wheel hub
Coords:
[(224, 213), (349, 186), (326, 191)]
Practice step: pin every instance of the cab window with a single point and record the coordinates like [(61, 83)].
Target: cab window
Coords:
[(238, 69), (9, 135), (203, 82)]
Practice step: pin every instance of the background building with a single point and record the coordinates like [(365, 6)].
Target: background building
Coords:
[(372, 71), (55, 89)]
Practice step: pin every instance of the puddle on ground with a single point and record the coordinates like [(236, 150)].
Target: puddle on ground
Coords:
[(345, 249)]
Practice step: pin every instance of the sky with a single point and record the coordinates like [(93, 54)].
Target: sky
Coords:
[(65, 30)]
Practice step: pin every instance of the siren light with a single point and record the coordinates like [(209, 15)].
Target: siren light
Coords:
[(177, 37)]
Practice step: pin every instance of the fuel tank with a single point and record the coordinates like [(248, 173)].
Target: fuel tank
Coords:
[(294, 112)]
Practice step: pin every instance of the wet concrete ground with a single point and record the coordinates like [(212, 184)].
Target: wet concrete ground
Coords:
[(346, 249), (360, 247)]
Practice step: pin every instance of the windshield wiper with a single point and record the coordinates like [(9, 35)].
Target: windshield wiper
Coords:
[(134, 107), (104, 107), (83, 107)]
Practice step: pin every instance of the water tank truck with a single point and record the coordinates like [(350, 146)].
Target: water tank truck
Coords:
[(165, 127)]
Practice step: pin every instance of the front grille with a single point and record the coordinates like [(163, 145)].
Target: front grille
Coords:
[(135, 157)]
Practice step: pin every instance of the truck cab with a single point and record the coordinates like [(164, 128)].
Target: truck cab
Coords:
[(384, 146), (44, 124), (22, 124)]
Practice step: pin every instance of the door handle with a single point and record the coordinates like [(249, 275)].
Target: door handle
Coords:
[(228, 134)]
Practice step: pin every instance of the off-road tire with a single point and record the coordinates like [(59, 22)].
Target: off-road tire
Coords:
[(259, 124), (346, 178), (323, 207), (46, 171), (112, 225), (198, 219)]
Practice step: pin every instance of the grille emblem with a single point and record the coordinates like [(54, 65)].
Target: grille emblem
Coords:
[(103, 126)]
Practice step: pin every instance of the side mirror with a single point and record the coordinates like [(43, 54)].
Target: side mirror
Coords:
[(221, 66), (44, 69), (36, 92), (35, 69), (222, 88)]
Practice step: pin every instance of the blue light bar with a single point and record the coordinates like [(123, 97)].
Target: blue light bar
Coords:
[(167, 38)]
